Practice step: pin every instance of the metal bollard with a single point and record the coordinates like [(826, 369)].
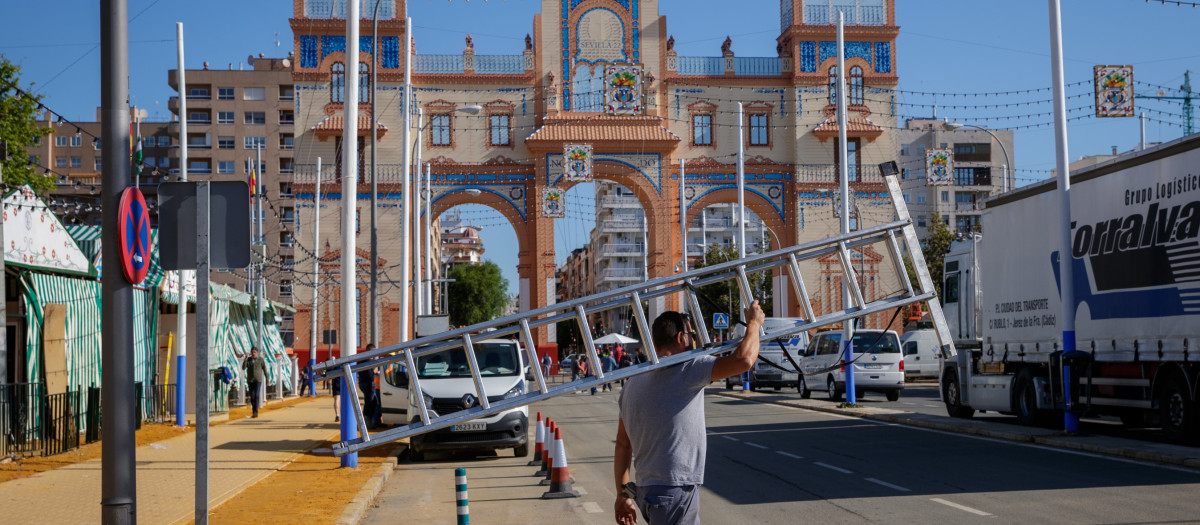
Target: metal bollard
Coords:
[(460, 488)]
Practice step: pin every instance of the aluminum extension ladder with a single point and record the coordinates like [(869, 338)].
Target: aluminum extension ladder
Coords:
[(686, 283)]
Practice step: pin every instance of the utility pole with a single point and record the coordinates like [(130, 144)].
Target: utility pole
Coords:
[(260, 248), (406, 185), (418, 288), (428, 195), (312, 336), (349, 292), (374, 309), (118, 498), (683, 262), (181, 317), (844, 176), (1065, 268)]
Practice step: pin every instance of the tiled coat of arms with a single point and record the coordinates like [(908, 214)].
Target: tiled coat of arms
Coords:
[(623, 90)]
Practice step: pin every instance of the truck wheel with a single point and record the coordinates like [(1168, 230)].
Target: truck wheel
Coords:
[(802, 387), (522, 450), (1024, 401), (833, 392), (1176, 409), (950, 393)]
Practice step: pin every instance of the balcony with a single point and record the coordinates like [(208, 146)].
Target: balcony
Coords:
[(622, 274), (717, 224), (967, 207), (199, 121), (613, 201), (828, 174), (200, 145), (621, 226), (622, 250)]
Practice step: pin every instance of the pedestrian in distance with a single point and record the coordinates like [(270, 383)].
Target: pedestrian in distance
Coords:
[(256, 373), (367, 386), (335, 388), (305, 375), (661, 429), (576, 367), (546, 362), (607, 364)]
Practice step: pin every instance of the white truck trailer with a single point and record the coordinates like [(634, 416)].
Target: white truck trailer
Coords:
[(1136, 258)]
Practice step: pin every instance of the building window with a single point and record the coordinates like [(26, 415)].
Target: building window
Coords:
[(254, 142), (147, 161), (97, 145), (285, 189), (199, 166), (164, 140), (198, 117), (60, 162), (76, 140), (254, 93), (337, 91), (226, 166), (921, 221), (255, 117), (833, 85), (286, 141), (100, 163), (945, 196), (439, 130), (702, 130), (287, 92), (164, 162), (364, 82), (904, 173), (498, 130), (286, 116), (856, 86), (225, 117), (225, 142), (76, 162), (60, 141), (920, 198), (759, 134), (904, 150), (224, 93)]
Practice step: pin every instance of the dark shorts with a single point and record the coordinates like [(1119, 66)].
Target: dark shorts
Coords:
[(669, 505)]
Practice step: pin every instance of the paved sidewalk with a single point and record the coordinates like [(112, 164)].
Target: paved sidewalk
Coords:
[(241, 454)]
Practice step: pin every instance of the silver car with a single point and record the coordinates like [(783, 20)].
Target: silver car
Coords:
[(878, 364)]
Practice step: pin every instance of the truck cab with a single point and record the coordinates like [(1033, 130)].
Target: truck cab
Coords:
[(960, 291)]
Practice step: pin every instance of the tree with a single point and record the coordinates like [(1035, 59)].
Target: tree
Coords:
[(935, 246), (19, 130), (724, 297), (478, 293)]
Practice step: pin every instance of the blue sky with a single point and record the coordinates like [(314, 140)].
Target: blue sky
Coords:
[(967, 47)]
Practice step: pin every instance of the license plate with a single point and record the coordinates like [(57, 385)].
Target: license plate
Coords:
[(472, 426), (873, 366)]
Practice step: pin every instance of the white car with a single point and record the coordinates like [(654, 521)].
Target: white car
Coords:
[(878, 365)]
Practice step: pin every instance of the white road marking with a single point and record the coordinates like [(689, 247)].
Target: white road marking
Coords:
[(793, 456), (731, 438), (960, 507), (831, 467), (755, 445), (889, 485), (592, 507)]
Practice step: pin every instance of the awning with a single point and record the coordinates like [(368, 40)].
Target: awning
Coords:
[(856, 127), (332, 126)]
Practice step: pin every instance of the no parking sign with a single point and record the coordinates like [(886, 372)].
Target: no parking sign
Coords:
[(133, 222)]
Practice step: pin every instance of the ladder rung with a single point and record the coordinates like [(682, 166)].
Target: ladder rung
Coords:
[(476, 374)]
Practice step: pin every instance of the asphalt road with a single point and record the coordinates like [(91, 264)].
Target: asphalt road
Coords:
[(775, 464)]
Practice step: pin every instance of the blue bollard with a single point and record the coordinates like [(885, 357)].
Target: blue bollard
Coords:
[(745, 381), (460, 490)]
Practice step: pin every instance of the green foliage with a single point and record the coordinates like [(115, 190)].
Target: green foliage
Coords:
[(477, 294), (935, 246), (19, 129), (724, 297)]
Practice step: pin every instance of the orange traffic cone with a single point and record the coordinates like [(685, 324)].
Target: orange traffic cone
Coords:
[(537, 446), (547, 448), (560, 479)]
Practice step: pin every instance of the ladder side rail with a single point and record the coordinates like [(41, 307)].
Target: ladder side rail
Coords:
[(589, 347), (798, 285), (623, 373), (848, 275), (476, 373), (639, 317), (349, 387), (898, 262), (659, 286), (415, 386), (923, 277), (743, 283), (531, 349), (693, 302)]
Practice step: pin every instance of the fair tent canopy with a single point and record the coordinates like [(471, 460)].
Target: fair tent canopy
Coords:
[(614, 339)]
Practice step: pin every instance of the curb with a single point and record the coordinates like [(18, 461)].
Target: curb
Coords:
[(357, 508), (1142, 451)]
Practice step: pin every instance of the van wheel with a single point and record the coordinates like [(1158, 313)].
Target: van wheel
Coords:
[(802, 387), (893, 395), (950, 394), (522, 450), (833, 393)]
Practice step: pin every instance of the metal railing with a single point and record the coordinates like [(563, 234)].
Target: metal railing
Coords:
[(618, 225), (623, 273), (828, 173), (622, 249)]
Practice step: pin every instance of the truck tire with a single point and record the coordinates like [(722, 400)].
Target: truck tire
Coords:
[(1024, 401), (802, 388), (1176, 412), (950, 393), (833, 393), (522, 450)]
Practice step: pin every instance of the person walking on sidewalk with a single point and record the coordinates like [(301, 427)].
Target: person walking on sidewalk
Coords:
[(256, 372), (305, 374), (607, 364), (661, 426), (546, 362)]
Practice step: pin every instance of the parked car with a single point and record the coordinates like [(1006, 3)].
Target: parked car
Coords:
[(764, 374), (564, 366), (879, 365), (922, 357)]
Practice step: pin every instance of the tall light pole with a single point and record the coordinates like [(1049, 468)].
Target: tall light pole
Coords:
[(415, 201), (1004, 186), (181, 317), (844, 176), (374, 309), (406, 183), (349, 295)]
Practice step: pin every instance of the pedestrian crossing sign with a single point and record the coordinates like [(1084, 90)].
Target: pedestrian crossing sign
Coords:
[(721, 321)]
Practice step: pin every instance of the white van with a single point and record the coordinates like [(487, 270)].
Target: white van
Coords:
[(447, 387), (765, 374), (921, 355), (879, 366)]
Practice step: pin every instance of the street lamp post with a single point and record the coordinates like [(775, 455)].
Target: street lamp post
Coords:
[(1004, 187), (374, 331)]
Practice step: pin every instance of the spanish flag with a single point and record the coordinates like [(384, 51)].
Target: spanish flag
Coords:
[(253, 181)]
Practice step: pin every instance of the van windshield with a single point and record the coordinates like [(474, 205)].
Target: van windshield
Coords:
[(495, 359), (870, 342)]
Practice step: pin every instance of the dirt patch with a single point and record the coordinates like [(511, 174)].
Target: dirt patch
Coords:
[(314, 486), (149, 433)]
